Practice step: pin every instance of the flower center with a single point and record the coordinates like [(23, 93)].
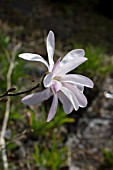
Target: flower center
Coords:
[(56, 86)]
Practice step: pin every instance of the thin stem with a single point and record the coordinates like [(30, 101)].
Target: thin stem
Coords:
[(6, 117), (19, 93)]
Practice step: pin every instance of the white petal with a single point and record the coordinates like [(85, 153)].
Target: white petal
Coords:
[(79, 95), (71, 97), (56, 67), (77, 79), (67, 106), (53, 108), (56, 86), (81, 88), (70, 65), (48, 80), (33, 57), (50, 49), (35, 98), (72, 55)]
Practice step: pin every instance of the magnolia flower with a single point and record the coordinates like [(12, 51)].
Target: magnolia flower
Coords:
[(68, 88)]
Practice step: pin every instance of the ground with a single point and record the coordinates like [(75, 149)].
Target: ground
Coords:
[(73, 23)]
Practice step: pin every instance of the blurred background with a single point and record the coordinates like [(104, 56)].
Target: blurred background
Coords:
[(82, 140)]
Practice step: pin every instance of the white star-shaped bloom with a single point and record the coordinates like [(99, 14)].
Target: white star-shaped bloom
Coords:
[(68, 88)]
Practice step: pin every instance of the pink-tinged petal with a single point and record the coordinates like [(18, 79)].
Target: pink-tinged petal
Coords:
[(71, 97), (50, 49), (77, 79), (35, 98), (33, 57), (48, 80), (67, 106), (79, 95), (72, 60), (56, 86), (81, 88), (53, 108), (56, 67)]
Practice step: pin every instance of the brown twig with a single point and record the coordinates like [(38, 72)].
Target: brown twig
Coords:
[(19, 93)]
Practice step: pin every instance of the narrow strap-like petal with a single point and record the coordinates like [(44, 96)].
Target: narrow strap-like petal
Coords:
[(77, 79), (56, 67), (72, 55), (48, 80), (71, 97), (80, 87), (35, 98), (72, 63), (50, 49), (67, 105), (33, 57), (53, 108), (79, 95)]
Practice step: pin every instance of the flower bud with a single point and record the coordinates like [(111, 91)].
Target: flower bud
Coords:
[(28, 118)]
